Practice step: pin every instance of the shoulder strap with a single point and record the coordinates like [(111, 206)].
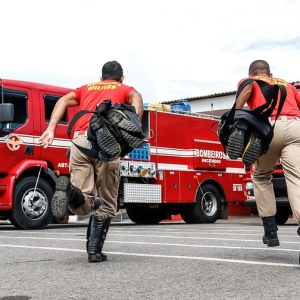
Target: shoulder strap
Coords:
[(78, 115), (231, 113), (89, 152), (267, 109)]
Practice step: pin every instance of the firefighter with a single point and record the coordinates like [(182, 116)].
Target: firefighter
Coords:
[(285, 145), (90, 177)]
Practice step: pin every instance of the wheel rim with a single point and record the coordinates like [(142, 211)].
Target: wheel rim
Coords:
[(209, 204), (34, 204)]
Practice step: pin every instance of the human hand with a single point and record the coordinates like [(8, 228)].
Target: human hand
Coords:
[(46, 138)]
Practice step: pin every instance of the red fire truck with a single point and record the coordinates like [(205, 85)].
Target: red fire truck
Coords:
[(181, 168)]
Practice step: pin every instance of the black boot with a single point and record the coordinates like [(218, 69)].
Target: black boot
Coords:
[(270, 237), (76, 198), (96, 235), (88, 236), (65, 194)]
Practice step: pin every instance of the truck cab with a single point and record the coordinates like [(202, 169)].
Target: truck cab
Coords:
[(28, 171)]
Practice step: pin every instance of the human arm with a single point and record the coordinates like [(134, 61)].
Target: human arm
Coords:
[(60, 107), (136, 100), (244, 96)]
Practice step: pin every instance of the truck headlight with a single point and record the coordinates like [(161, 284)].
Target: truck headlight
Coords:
[(249, 186), (249, 189)]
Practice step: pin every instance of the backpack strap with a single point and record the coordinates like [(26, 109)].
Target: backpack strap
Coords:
[(231, 113), (267, 109), (99, 110), (89, 152), (78, 115)]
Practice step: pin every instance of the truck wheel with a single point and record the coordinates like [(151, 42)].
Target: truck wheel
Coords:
[(207, 207), (282, 215), (186, 213), (145, 215), (31, 211)]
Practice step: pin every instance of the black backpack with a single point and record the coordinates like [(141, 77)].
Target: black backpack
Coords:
[(257, 119)]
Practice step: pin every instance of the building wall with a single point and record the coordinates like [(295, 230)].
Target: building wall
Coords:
[(213, 105)]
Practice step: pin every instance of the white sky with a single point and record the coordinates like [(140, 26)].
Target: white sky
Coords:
[(169, 49)]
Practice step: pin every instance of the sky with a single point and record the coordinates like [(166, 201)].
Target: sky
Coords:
[(169, 49)]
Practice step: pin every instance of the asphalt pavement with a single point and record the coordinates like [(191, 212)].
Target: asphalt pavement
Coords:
[(168, 261)]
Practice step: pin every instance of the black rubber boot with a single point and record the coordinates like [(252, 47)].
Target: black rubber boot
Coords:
[(117, 117), (88, 236), (253, 149), (108, 145), (236, 141), (270, 237), (60, 199), (96, 235), (76, 198), (65, 195)]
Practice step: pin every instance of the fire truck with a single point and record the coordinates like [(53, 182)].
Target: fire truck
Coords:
[(180, 169)]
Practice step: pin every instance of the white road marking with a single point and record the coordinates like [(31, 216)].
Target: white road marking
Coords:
[(170, 237), (165, 256), (161, 244)]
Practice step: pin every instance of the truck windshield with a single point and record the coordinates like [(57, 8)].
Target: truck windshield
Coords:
[(19, 100)]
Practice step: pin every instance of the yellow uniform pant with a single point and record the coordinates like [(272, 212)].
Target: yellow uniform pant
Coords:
[(285, 145), (94, 178)]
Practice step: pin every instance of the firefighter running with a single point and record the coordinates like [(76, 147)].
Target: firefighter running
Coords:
[(90, 177)]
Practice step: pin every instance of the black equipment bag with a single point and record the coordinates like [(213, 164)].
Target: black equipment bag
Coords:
[(134, 136), (257, 118)]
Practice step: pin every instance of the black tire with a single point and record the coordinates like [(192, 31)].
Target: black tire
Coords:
[(29, 213), (282, 215), (207, 207), (145, 215), (187, 213)]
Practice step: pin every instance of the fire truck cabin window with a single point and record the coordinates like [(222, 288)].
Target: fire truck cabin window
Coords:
[(19, 100), (50, 101)]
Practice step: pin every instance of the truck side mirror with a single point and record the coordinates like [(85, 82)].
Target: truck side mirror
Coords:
[(6, 112)]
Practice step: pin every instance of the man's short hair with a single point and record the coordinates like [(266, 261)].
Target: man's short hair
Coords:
[(112, 70), (259, 65)]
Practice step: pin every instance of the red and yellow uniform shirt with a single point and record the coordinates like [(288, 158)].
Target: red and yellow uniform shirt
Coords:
[(92, 94), (291, 105)]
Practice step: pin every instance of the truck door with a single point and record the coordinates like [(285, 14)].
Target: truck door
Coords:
[(56, 154)]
